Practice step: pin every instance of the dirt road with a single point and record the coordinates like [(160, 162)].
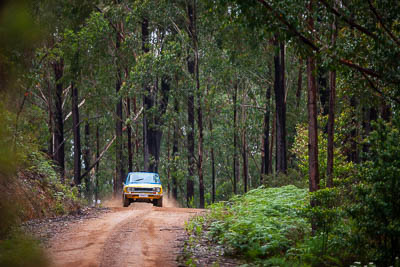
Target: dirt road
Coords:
[(140, 235)]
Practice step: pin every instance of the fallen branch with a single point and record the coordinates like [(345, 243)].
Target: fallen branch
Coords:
[(70, 113), (99, 158), (106, 148)]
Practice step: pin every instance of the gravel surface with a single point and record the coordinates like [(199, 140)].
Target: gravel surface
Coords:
[(202, 252), (45, 229)]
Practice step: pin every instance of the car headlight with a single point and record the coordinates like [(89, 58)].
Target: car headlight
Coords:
[(157, 189), (130, 189)]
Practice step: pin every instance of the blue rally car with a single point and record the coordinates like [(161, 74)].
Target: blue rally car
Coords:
[(142, 187)]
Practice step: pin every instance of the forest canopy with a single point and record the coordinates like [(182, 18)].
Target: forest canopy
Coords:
[(217, 96)]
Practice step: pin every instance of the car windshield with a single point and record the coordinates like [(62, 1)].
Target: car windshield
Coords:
[(143, 177)]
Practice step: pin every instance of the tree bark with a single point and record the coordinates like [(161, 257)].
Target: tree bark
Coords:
[(212, 165), (312, 119), (271, 148), (152, 132), (59, 153), (51, 121), (118, 124), (235, 141), (244, 153), (199, 107), (96, 190), (299, 83), (77, 135), (190, 109), (279, 88), (265, 153), (129, 136), (200, 145), (386, 111), (86, 160), (353, 154), (137, 142), (147, 101), (175, 144), (169, 160), (331, 116)]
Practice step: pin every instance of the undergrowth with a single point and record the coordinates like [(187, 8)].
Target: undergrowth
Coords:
[(272, 227), (260, 226), (261, 223)]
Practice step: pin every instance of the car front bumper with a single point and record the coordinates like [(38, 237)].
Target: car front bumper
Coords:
[(136, 195)]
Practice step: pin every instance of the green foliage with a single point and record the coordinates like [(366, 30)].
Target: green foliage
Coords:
[(342, 167), (21, 251), (330, 244), (293, 177), (39, 163), (377, 196), (195, 225), (264, 222), (272, 227), (7, 155)]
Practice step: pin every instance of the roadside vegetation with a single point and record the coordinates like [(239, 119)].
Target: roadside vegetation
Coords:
[(355, 223)]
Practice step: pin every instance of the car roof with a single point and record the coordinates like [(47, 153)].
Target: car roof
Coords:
[(143, 172)]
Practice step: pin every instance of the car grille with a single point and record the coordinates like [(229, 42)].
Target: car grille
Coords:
[(142, 189)]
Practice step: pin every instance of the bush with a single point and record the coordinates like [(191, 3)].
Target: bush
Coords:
[(264, 222), (293, 177), (343, 168), (21, 251), (376, 212)]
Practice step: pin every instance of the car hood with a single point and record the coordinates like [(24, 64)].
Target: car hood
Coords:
[(143, 185)]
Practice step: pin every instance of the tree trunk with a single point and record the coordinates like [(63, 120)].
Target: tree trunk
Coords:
[(244, 153), (77, 135), (353, 153), (152, 132), (169, 160), (200, 144), (235, 141), (271, 148), (86, 160), (323, 92), (331, 116), (265, 153), (51, 121), (175, 152), (312, 119), (279, 88), (147, 101), (118, 124), (386, 111), (190, 107), (212, 165), (129, 136), (137, 142), (96, 190), (299, 83), (59, 153), (199, 107), (331, 125)]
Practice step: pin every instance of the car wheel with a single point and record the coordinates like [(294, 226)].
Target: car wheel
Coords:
[(159, 202), (126, 201)]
